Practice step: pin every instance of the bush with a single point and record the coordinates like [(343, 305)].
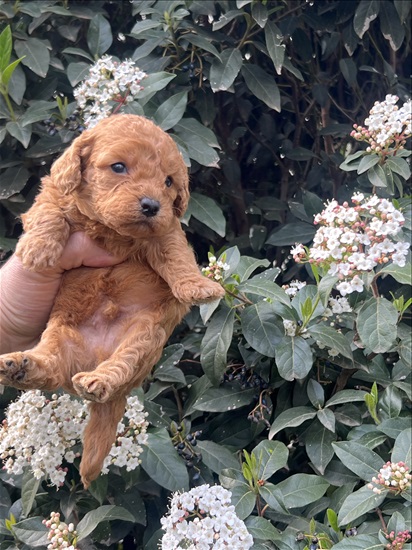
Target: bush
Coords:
[(293, 395)]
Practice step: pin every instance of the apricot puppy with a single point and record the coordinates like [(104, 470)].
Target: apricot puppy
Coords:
[(125, 184)]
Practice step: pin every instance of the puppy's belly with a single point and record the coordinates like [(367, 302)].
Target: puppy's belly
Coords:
[(103, 303)]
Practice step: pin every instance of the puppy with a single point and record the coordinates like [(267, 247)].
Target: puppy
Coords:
[(125, 184)]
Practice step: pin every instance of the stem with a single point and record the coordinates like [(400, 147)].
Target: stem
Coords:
[(9, 105), (380, 516), (374, 288)]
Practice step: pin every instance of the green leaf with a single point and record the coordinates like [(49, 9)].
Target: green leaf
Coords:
[(226, 18), (267, 289), (171, 111), (226, 398), (206, 210), (346, 396), (203, 43), (273, 497), (154, 82), (167, 369), (92, 519), (292, 233), (276, 49), (271, 456), (197, 148), (262, 328), (262, 85), (13, 181), (377, 176), (349, 70), (142, 26), (216, 457), (34, 54), (358, 458), (325, 287), (5, 48), (402, 451), (37, 111), (327, 418), (31, 531), (29, 489), (224, 72), (399, 166), (76, 72), (358, 503), (215, 344), (99, 36), (401, 274), (262, 529), (331, 338), (367, 162), (319, 445), (392, 427), (21, 133), (243, 499), (300, 490), (376, 323), (162, 463), (290, 418), (360, 542), (294, 358), (366, 12), (391, 26), (8, 72)]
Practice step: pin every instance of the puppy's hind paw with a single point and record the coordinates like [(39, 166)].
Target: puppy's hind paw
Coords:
[(91, 386), (197, 292)]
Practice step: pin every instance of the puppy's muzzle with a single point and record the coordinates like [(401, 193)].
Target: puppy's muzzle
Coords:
[(149, 207)]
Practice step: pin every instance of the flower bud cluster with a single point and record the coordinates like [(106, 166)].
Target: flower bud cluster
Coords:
[(110, 85), (60, 534), (398, 540), (293, 287), (354, 240), (394, 476), (387, 125), (202, 519), (43, 433), (216, 269)]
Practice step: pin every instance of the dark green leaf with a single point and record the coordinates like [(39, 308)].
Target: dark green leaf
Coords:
[(357, 504), (276, 49), (171, 111), (271, 456), (367, 162), (346, 396), (402, 451), (401, 274), (301, 489), (31, 531), (13, 181), (35, 54), (76, 72), (29, 489), (376, 323), (391, 26), (366, 12), (104, 513), (21, 133), (377, 176), (262, 328), (217, 457), (294, 358), (291, 417), (319, 446), (99, 35), (261, 528), (332, 339), (361, 460), (225, 398), (208, 212), (243, 499), (262, 85), (292, 233), (224, 72), (360, 542), (162, 463)]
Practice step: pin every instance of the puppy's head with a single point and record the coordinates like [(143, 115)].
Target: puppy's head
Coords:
[(127, 174)]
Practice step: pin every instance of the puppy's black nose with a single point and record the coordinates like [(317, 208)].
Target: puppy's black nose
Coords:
[(150, 207)]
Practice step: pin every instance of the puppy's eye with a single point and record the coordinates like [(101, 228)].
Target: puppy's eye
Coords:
[(119, 168), (168, 181)]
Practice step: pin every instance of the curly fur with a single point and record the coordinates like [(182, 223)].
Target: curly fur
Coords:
[(109, 325)]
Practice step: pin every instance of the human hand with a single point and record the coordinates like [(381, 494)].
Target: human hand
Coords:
[(26, 297)]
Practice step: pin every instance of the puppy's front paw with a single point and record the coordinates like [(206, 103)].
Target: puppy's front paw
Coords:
[(92, 386), (38, 253), (14, 369), (196, 292)]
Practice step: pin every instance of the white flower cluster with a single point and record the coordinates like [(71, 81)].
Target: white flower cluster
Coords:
[(293, 287), (110, 85), (216, 269), (131, 435), (354, 240), (60, 534), (42, 433), (339, 305), (386, 125), (202, 519)]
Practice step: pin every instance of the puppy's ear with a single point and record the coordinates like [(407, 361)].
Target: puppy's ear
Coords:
[(66, 172), (182, 200)]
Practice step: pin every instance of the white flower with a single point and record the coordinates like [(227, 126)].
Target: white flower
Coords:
[(339, 305), (344, 288), (203, 518), (41, 433), (290, 327)]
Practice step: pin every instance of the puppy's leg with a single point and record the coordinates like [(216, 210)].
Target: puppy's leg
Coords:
[(47, 366), (46, 233), (99, 436), (173, 259), (128, 366)]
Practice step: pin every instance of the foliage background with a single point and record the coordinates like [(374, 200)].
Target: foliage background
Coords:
[(261, 98)]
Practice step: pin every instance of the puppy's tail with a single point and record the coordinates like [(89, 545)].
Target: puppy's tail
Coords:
[(99, 436)]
